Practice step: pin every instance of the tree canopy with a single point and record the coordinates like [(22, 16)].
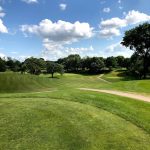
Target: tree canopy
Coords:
[(138, 40), (53, 67)]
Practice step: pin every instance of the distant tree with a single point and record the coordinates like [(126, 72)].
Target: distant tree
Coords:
[(86, 63), (34, 65), (120, 61), (16, 66), (111, 62), (72, 63), (149, 65), (60, 69), (53, 67), (13, 64), (61, 61), (136, 66), (138, 40), (23, 68), (127, 63), (42, 64), (2, 65), (10, 63), (64, 62), (97, 64)]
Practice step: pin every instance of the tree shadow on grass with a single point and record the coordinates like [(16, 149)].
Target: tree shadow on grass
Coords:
[(54, 78)]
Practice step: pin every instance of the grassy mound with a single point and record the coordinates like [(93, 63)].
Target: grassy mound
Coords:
[(18, 83), (68, 118), (120, 81), (15, 82), (47, 123)]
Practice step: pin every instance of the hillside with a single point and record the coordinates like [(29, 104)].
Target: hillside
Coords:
[(68, 118), (15, 82)]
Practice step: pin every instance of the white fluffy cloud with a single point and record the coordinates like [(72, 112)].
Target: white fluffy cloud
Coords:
[(109, 32), (2, 55), (119, 1), (113, 23), (134, 17), (116, 50), (3, 28), (54, 50), (106, 10), (63, 6), (2, 14), (111, 27), (78, 50), (60, 31), (30, 1), (56, 35)]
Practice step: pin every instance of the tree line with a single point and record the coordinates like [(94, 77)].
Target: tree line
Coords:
[(137, 39), (31, 65), (72, 63)]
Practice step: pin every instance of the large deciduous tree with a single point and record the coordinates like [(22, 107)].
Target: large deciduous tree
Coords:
[(13, 64), (53, 67), (73, 62), (138, 40), (97, 64), (120, 61), (111, 62), (34, 65)]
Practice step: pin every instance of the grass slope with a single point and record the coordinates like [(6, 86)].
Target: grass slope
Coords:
[(125, 83), (43, 123), (15, 82), (69, 118)]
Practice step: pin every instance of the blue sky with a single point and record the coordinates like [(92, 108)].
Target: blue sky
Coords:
[(56, 28)]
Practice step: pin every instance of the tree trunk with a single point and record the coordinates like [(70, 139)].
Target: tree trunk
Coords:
[(145, 66), (52, 75)]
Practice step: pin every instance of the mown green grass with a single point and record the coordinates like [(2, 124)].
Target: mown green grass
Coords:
[(120, 81), (70, 119), (16, 82), (46, 123)]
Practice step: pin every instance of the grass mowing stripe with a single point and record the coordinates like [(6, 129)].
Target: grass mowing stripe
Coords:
[(72, 124), (123, 107), (52, 120), (135, 111)]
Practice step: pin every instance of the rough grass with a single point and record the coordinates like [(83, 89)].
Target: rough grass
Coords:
[(70, 119), (120, 81), (15, 82)]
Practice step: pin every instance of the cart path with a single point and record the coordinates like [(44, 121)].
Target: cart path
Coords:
[(121, 93), (99, 77)]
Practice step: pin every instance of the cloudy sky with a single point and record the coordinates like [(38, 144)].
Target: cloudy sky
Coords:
[(56, 28)]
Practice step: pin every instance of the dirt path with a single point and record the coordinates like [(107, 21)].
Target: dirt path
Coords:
[(120, 93), (99, 77), (43, 92)]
